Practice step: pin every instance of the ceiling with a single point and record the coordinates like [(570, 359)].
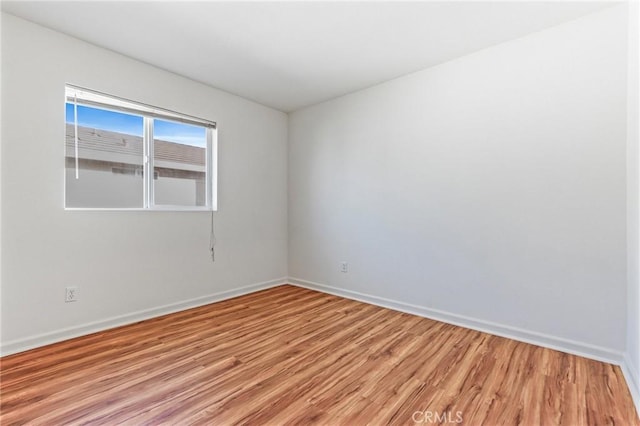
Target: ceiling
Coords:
[(288, 55)]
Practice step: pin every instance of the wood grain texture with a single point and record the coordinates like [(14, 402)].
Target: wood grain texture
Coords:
[(294, 356)]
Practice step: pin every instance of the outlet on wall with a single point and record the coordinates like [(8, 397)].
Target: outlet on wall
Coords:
[(71, 294), (344, 267)]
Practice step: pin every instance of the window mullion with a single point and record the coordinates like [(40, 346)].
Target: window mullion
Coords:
[(148, 163)]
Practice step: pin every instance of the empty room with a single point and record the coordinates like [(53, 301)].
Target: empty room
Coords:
[(331, 213)]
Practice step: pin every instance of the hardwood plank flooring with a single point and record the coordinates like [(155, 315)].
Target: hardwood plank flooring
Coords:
[(294, 356)]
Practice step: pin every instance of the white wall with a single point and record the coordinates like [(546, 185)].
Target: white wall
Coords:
[(1, 183), (124, 262), (489, 190), (632, 360)]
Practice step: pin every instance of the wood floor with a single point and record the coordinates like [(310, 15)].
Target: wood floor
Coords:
[(293, 356)]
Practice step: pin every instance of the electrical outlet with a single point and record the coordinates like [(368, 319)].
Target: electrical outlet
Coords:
[(71, 294), (344, 267)]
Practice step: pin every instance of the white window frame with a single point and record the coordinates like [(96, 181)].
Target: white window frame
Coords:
[(94, 99)]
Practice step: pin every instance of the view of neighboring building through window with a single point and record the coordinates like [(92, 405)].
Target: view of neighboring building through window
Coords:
[(179, 152), (110, 159), (111, 144)]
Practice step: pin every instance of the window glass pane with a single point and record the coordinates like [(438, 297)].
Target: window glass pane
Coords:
[(110, 154), (179, 156)]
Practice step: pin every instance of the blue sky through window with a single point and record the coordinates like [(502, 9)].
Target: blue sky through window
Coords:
[(179, 133), (133, 125)]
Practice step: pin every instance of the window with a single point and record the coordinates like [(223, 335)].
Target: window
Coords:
[(125, 155)]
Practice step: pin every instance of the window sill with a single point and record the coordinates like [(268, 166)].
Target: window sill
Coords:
[(136, 209)]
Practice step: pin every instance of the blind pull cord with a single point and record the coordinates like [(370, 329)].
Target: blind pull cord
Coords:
[(212, 240), (75, 132)]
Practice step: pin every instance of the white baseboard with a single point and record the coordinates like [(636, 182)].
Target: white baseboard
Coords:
[(20, 345), (633, 380), (540, 339)]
